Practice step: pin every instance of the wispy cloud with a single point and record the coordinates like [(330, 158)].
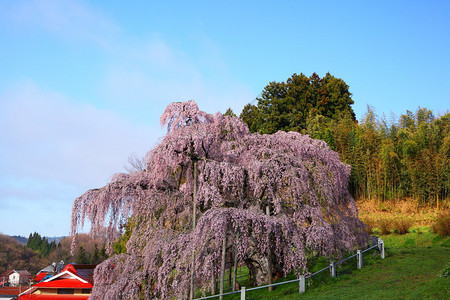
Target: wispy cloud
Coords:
[(53, 149), (151, 73), (50, 136), (56, 145)]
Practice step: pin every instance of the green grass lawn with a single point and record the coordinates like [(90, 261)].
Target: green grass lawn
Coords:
[(416, 267)]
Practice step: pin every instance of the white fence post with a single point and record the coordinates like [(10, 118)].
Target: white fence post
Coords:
[(243, 293), (301, 284), (382, 248), (359, 256), (333, 269)]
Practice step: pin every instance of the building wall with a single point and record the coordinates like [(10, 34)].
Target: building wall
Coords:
[(15, 279), (54, 291)]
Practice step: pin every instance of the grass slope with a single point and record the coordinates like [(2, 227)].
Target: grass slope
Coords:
[(414, 268)]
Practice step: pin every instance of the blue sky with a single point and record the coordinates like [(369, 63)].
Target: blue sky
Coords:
[(83, 83)]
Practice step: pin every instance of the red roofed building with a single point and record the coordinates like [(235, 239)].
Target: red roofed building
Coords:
[(4, 277), (72, 283), (19, 277)]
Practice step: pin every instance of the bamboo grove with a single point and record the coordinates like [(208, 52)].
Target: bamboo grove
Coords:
[(404, 157)]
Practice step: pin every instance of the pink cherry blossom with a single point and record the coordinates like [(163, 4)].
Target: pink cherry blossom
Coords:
[(239, 174)]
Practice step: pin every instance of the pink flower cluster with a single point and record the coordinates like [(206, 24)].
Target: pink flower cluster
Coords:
[(275, 199)]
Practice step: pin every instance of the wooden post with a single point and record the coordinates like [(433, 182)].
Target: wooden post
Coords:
[(333, 269), (235, 263), (359, 257), (269, 259), (301, 284), (222, 270), (231, 268), (194, 220), (243, 293), (213, 283), (381, 247), (194, 196)]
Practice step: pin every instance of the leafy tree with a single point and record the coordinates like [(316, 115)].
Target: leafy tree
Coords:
[(34, 241), (287, 105), (250, 115), (95, 256), (229, 113), (120, 245), (90, 244), (81, 257), (215, 193)]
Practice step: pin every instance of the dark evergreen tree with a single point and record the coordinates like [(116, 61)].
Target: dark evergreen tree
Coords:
[(287, 105), (81, 257)]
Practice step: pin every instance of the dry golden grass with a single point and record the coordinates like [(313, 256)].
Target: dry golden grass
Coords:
[(402, 225), (370, 224), (442, 224), (385, 226), (398, 216)]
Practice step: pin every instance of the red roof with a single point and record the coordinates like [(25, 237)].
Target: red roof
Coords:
[(40, 276), (6, 274), (23, 272), (64, 283), (55, 297), (65, 279), (70, 268)]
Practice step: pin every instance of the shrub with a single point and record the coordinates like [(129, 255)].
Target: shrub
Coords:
[(401, 226), (442, 224), (385, 226), (369, 224)]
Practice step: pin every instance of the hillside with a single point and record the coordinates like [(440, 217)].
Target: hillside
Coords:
[(20, 239), (14, 255)]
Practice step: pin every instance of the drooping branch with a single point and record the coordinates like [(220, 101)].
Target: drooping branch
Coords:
[(178, 212)]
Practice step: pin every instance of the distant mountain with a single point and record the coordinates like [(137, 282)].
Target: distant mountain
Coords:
[(55, 238), (21, 239)]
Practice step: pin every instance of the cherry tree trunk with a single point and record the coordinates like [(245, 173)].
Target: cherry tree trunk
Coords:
[(235, 263), (222, 269), (194, 218), (259, 265)]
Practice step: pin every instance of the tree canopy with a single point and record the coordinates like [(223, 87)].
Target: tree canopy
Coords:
[(287, 105), (212, 188), (40, 244), (406, 157)]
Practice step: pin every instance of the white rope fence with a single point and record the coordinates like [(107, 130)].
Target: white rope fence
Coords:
[(302, 278)]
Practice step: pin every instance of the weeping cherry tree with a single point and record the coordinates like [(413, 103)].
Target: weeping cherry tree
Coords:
[(212, 195)]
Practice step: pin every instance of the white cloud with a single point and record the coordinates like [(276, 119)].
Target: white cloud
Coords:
[(151, 74), (141, 71), (50, 137), (55, 147), (53, 150)]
